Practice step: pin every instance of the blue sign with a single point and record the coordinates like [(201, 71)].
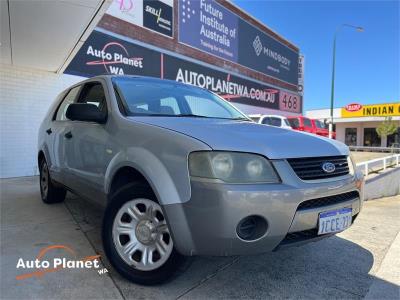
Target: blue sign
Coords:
[(208, 26)]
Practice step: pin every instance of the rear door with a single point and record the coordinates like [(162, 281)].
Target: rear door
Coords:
[(90, 147)]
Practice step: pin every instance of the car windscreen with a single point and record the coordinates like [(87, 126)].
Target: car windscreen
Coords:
[(272, 121), (320, 124), (157, 98)]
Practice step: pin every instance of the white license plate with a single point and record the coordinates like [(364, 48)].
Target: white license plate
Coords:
[(334, 220)]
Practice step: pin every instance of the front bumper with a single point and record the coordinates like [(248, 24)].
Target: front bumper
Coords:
[(207, 224)]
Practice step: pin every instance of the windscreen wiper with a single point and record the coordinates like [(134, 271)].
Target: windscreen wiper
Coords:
[(190, 115)]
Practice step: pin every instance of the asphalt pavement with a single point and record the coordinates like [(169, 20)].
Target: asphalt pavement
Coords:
[(362, 262)]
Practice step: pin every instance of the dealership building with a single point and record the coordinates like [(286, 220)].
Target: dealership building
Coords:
[(47, 46), (356, 124)]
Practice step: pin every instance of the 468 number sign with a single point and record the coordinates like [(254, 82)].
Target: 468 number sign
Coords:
[(289, 102)]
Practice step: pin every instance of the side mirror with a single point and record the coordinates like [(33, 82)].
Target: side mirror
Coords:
[(85, 112)]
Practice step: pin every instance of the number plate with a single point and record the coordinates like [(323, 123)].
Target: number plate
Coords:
[(334, 220)]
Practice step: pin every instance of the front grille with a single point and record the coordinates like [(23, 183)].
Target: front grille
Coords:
[(330, 200), (300, 236), (310, 168)]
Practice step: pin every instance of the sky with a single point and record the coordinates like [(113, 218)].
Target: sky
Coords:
[(367, 63)]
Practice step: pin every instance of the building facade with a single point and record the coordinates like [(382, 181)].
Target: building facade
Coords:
[(47, 46), (356, 124)]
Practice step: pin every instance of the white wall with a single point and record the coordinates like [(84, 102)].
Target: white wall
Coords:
[(25, 96)]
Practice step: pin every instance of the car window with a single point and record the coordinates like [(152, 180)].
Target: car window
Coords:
[(93, 93), (286, 122), (69, 98), (276, 122), (266, 121), (307, 122), (294, 123), (156, 98)]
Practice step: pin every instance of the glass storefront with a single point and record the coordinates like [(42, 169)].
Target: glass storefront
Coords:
[(393, 139), (371, 138), (350, 136)]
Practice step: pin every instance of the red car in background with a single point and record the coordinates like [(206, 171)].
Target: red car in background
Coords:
[(302, 124), (309, 125), (321, 128)]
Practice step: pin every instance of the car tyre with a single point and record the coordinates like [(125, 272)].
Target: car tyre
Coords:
[(129, 206), (49, 192)]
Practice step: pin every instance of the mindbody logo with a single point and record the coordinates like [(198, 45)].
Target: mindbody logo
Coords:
[(113, 57), (40, 265), (257, 45)]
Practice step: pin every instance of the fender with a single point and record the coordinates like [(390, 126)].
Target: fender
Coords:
[(153, 170)]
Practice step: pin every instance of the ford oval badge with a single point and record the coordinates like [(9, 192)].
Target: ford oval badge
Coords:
[(328, 167)]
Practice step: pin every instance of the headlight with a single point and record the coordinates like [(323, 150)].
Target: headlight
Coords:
[(351, 165), (232, 167)]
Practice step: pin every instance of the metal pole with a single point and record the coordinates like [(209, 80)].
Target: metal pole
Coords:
[(333, 73), (333, 85)]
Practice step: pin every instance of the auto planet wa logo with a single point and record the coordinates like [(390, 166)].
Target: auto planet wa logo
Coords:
[(114, 57), (41, 265)]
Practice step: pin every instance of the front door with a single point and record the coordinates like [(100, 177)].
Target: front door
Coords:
[(91, 147)]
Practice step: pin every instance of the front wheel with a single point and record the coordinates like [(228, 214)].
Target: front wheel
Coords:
[(136, 237)]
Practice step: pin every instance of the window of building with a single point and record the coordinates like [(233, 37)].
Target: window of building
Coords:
[(394, 139), (371, 138), (350, 136)]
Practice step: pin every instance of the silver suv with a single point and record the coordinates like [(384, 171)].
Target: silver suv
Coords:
[(181, 172)]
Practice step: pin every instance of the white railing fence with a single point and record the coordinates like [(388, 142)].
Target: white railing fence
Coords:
[(378, 164)]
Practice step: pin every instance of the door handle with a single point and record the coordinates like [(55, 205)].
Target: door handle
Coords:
[(49, 131), (68, 135)]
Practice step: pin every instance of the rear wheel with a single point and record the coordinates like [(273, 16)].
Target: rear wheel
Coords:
[(49, 192), (136, 237)]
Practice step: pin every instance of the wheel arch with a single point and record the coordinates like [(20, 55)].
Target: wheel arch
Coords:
[(143, 166)]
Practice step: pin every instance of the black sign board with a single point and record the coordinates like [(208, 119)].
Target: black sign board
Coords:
[(104, 54), (158, 16), (231, 88)]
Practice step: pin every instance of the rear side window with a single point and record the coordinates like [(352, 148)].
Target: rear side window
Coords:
[(294, 123), (307, 122), (69, 99), (266, 121)]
